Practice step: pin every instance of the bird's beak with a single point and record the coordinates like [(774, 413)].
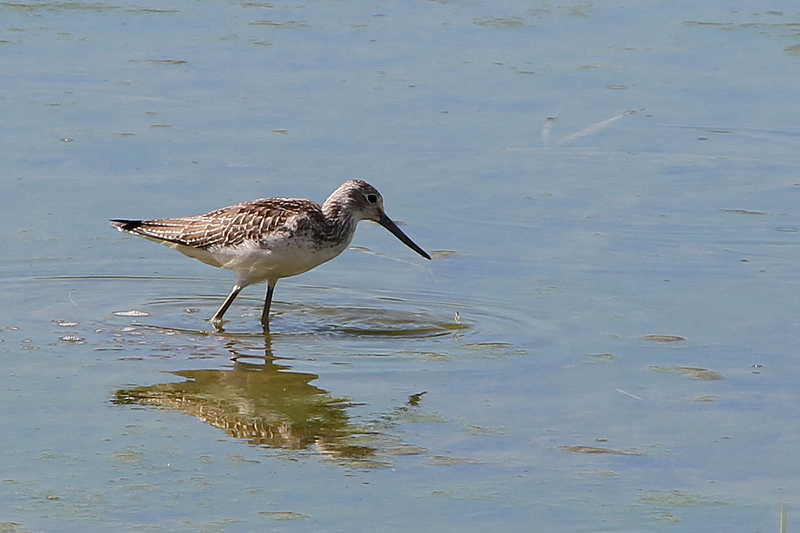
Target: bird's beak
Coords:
[(387, 223)]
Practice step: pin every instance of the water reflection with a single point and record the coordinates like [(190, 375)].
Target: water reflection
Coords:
[(265, 403)]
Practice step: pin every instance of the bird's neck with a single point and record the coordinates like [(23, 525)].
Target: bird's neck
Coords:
[(340, 219)]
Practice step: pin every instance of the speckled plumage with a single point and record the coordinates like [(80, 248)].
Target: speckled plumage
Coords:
[(271, 238)]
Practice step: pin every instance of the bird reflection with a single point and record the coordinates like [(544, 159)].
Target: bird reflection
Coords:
[(267, 404)]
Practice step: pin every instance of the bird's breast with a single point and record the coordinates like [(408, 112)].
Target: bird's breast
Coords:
[(253, 262)]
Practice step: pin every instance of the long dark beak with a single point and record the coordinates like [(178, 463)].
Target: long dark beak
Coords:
[(387, 223)]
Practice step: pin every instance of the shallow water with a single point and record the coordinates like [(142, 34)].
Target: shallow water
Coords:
[(605, 340)]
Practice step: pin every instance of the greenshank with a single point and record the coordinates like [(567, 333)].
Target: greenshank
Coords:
[(271, 238)]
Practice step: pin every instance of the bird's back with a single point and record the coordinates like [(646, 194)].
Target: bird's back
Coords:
[(256, 220)]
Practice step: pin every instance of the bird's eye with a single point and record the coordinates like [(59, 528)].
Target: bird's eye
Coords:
[(371, 198)]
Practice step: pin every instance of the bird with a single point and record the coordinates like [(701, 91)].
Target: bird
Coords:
[(270, 238)]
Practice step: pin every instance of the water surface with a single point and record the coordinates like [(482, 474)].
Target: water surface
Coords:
[(605, 340)]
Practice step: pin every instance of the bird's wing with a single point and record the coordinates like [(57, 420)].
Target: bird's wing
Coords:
[(229, 226)]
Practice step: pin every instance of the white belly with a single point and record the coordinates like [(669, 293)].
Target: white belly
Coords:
[(253, 263)]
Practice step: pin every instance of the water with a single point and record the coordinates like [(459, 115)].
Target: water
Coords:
[(605, 339)]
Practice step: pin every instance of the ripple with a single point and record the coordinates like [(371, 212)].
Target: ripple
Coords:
[(299, 320), (376, 322), (317, 311)]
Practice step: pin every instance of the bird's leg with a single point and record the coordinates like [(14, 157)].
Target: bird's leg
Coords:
[(268, 303), (217, 318)]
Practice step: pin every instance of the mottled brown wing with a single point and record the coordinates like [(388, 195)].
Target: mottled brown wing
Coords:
[(228, 226)]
